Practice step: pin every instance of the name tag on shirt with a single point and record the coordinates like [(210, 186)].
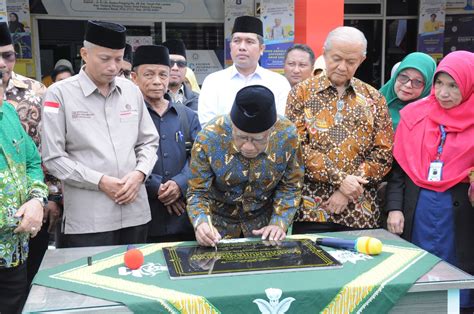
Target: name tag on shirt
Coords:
[(80, 114), (128, 114), (434, 173)]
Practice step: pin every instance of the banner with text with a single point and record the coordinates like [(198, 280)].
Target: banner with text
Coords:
[(203, 63), (431, 28), (153, 10), (279, 30), (459, 6)]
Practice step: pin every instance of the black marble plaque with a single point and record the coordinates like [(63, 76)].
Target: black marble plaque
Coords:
[(235, 258)]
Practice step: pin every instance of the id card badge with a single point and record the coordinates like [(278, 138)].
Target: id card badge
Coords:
[(436, 168)]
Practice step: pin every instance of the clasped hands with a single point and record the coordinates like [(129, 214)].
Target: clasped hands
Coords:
[(351, 189), (122, 191), (169, 194)]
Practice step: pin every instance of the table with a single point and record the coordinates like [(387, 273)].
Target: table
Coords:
[(435, 292)]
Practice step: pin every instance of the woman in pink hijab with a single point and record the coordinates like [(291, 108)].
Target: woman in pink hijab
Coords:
[(427, 192)]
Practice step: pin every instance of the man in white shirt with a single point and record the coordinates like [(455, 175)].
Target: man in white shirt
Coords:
[(219, 88)]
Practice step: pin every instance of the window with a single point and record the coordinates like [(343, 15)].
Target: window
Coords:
[(402, 7), (198, 36), (370, 70), (400, 40), (399, 18)]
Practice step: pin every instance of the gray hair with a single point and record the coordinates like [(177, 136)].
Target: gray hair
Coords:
[(88, 45), (346, 34), (304, 48)]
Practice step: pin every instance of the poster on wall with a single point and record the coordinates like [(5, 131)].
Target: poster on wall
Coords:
[(232, 10), (431, 26), (279, 31), (19, 23), (203, 63), (459, 33), (3, 11)]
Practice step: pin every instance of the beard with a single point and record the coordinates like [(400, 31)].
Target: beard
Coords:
[(174, 84)]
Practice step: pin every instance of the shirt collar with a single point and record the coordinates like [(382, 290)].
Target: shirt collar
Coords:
[(88, 86), (326, 83), (232, 149), (16, 81), (235, 73), (1, 109), (171, 104), (227, 127), (179, 91)]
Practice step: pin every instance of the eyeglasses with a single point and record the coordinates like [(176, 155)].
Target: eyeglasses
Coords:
[(415, 83), (125, 73), (255, 141), (179, 63), (8, 56)]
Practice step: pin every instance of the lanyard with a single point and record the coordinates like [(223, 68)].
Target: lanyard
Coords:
[(441, 144)]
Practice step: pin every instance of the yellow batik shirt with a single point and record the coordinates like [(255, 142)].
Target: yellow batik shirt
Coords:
[(340, 136)]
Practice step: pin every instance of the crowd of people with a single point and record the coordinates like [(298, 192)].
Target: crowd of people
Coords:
[(127, 151)]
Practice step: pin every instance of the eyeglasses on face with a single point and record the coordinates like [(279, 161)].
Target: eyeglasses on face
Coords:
[(415, 83), (8, 56), (255, 141), (179, 63)]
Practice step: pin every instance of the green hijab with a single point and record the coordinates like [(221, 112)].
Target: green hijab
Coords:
[(418, 61)]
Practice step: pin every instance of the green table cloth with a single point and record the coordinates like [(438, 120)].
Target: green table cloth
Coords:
[(365, 284)]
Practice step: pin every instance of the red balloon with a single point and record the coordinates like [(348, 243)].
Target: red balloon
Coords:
[(133, 258)]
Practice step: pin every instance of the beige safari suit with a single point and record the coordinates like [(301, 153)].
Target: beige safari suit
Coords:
[(85, 136)]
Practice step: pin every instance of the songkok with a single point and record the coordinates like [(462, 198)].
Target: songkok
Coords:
[(254, 109), (5, 37), (248, 24), (105, 34), (151, 54), (128, 53), (176, 47)]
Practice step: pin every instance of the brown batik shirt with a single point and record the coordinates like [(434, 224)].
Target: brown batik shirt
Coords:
[(26, 95), (340, 136)]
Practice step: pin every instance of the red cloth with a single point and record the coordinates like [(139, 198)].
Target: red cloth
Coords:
[(418, 135)]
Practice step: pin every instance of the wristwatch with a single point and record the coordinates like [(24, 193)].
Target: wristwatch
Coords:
[(42, 200), (57, 198)]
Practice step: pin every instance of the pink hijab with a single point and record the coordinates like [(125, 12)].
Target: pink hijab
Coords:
[(418, 135)]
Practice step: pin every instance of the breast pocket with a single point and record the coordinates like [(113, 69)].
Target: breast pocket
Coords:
[(129, 117)]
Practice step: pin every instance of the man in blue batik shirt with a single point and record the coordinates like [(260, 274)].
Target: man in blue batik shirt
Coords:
[(167, 184), (246, 172)]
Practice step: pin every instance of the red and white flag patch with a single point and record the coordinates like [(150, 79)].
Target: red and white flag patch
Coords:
[(50, 106)]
